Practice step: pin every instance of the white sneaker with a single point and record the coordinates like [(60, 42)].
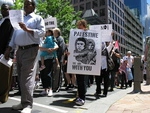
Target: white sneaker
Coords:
[(17, 107), (50, 93), (26, 110), (44, 93)]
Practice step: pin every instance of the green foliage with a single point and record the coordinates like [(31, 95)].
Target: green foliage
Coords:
[(61, 9), (18, 4)]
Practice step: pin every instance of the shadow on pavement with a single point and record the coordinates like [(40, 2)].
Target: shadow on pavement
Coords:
[(8, 110), (63, 103)]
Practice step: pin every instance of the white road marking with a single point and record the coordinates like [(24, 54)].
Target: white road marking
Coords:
[(41, 105)]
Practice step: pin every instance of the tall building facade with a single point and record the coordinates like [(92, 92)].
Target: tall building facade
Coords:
[(147, 23), (139, 8), (109, 12), (133, 32)]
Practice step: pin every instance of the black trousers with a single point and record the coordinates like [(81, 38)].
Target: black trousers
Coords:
[(81, 82), (123, 80), (47, 80), (103, 77)]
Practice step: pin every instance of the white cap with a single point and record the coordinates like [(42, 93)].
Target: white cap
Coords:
[(129, 52)]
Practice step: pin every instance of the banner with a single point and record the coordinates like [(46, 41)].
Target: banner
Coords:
[(50, 23), (85, 52), (105, 29)]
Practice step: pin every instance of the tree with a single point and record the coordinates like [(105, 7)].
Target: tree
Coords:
[(61, 9)]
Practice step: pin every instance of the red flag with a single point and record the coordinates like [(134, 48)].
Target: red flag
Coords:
[(116, 45)]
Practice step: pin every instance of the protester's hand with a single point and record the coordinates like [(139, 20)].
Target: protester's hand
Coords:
[(68, 53), (50, 50), (23, 26)]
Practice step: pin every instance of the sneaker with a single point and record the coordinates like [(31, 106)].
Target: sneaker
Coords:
[(44, 93), (50, 93), (80, 102), (42, 67), (17, 107), (26, 110)]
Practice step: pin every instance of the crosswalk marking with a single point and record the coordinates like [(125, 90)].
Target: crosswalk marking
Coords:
[(41, 105)]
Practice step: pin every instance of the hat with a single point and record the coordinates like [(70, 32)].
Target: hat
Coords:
[(129, 52)]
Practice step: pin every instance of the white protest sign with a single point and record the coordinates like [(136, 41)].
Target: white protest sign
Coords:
[(16, 16), (85, 52), (105, 29), (50, 23)]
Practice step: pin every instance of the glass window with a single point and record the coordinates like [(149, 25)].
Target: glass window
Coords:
[(75, 1), (95, 3), (102, 12), (109, 3), (76, 8), (109, 13), (102, 2), (82, 7), (88, 5)]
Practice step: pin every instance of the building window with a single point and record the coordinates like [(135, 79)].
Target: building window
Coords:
[(81, 0), (95, 3), (109, 3), (102, 2), (88, 5), (109, 13), (76, 8), (102, 12), (82, 7), (75, 1)]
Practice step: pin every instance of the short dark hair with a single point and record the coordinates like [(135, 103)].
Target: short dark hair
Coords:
[(83, 40)]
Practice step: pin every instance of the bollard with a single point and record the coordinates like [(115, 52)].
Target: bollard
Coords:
[(137, 75), (147, 76)]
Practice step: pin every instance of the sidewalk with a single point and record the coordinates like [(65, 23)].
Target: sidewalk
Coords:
[(133, 102)]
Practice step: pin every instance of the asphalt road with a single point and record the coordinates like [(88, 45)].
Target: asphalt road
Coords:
[(60, 102)]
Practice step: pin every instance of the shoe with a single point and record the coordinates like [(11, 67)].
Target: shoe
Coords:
[(17, 107), (96, 94), (43, 93), (80, 102), (68, 87), (26, 110), (104, 95), (50, 93)]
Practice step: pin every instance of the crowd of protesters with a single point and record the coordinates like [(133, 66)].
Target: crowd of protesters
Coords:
[(121, 76), (51, 70)]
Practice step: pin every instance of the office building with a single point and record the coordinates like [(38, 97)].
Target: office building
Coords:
[(110, 12)]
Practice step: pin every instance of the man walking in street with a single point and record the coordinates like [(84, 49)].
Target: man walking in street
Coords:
[(27, 39)]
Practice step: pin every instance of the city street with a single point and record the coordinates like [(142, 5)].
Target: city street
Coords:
[(62, 102)]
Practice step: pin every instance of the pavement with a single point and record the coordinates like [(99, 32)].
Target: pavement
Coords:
[(133, 102), (118, 101)]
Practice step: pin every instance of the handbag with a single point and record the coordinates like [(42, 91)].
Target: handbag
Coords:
[(110, 62)]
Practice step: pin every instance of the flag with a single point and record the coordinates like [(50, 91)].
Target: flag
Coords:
[(116, 45)]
